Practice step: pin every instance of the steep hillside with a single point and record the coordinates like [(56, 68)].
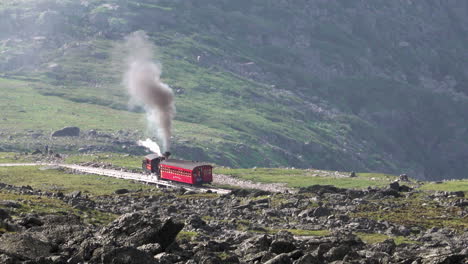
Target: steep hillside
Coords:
[(364, 86)]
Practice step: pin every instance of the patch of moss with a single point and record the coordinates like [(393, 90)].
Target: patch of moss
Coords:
[(186, 235), (448, 186), (45, 205), (13, 157), (373, 238), (417, 210)]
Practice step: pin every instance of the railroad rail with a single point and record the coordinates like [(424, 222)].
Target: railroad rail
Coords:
[(146, 178)]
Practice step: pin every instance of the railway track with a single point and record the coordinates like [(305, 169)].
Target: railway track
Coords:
[(150, 179)]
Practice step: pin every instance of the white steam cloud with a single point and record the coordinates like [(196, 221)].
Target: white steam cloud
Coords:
[(142, 80), (151, 145)]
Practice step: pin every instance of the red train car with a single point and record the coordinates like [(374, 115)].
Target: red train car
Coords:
[(190, 172), (186, 171)]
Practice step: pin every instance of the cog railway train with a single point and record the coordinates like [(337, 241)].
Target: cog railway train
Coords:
[(190, 172)]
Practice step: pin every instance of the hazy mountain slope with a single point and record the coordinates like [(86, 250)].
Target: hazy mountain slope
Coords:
[(361, 85)]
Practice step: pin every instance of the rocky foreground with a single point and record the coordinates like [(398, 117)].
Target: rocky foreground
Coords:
[(320, 224)]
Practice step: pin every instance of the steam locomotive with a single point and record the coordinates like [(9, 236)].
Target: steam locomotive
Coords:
[(191, 172)]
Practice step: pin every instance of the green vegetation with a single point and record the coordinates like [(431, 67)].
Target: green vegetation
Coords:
[(45, 205), (447, 186), (304, 178), (372, 238), (12, 157), (187, 235), (416, 210), (34, 111), (119, 160), (57, 180)]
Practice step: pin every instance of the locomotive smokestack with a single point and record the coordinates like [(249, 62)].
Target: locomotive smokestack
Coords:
[(166, 154)]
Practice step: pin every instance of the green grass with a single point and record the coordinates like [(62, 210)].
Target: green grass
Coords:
[(23, 108), (448, 186), (418, 210), (120, 160), (187, 235), (373, 238), (12, 157), (304, 178), (45, 205), (56, 180)]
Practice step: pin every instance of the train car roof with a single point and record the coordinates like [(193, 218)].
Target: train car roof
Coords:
[(152, 156), (185, 164)]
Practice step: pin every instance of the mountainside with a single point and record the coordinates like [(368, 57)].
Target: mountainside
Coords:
[(340, 85)]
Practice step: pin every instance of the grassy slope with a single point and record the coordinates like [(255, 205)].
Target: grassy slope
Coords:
[(23, 108), (231, 118)]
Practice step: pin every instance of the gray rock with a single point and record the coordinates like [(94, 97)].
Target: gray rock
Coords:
[(460, 194), (387, 246), (281, 246), (5, 259), (263, 242), (321, 211), (11, 204), (152, 248), (4, 214), (167, 258), (24, 245), (280, 259), (67, 132), (75, 194), (139, 228), (337, 253), (195, 221), (306, 212), (403, 177), (394, 186), (308, 259), (37, 151), (127, 255), (121, 191), (36, 135), (92, 133), (30, 221)]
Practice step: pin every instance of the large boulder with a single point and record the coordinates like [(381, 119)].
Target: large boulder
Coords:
[(67, 132), (140, 228), (4, 214), (281, 246), (24, 245)]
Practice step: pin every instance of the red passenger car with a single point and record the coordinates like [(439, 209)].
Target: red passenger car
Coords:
[(190, 172), (186, 171)]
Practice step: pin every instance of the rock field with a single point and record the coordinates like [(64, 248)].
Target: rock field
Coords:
[(247, 226)]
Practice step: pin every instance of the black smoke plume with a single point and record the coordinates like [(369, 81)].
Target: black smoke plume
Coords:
[(145, 87)]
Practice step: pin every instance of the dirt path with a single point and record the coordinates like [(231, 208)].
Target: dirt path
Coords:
[(222, 179)]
